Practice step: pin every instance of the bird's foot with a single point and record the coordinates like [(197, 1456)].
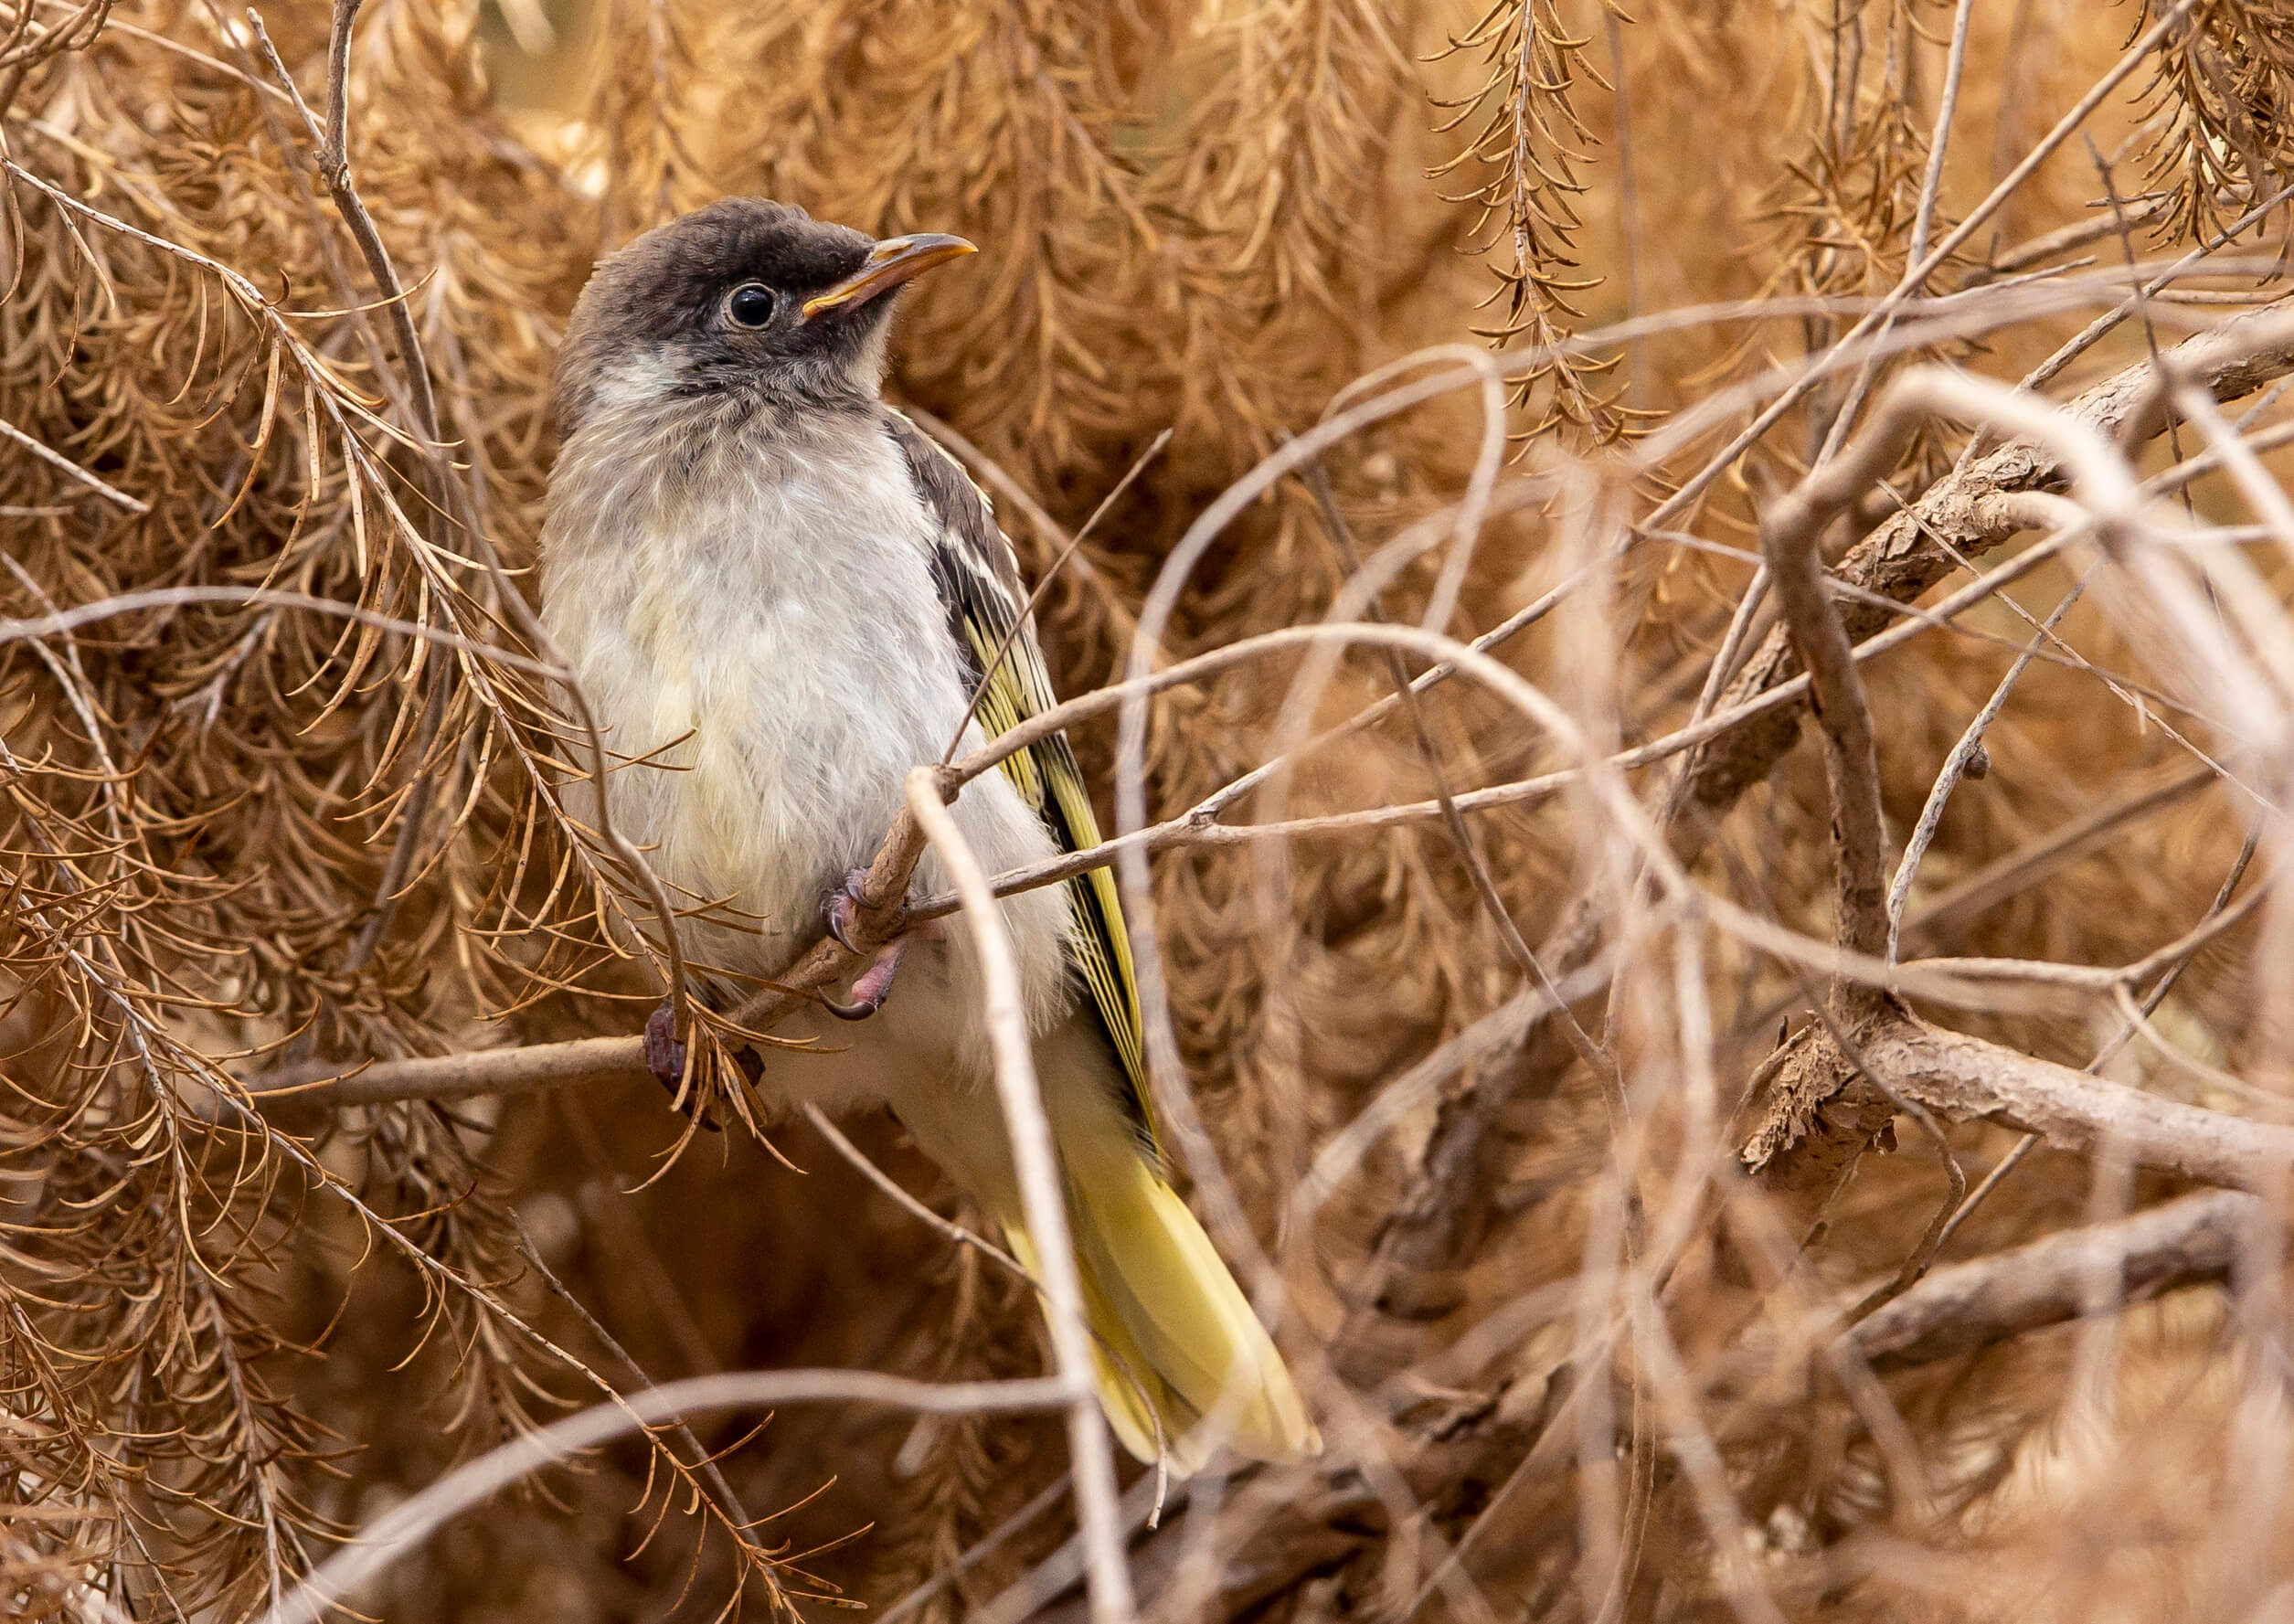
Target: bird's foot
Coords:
[(840, 913), (666, 1058), (840, 909), (871, 988)]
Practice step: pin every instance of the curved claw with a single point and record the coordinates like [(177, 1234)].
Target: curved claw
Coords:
[(871, 990), (840, 909)]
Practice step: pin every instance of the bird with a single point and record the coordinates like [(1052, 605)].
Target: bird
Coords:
[(778, 596)]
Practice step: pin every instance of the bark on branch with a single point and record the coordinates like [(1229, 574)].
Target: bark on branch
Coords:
[(1815, 1123), (2189, 1242), (1458, 1453), (1907, 555)]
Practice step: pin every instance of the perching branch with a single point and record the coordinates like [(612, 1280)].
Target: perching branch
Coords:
[(877, 918), (337, 1084), (2187, 1242)]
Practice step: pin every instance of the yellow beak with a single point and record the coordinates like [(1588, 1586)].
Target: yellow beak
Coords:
[(894, 260)]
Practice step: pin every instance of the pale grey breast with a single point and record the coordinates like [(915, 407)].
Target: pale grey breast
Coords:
[(766, 589)]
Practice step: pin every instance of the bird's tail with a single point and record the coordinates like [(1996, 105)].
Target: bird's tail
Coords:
[(1180, 1357)]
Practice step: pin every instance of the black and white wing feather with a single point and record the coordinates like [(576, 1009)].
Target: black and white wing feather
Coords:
[(979, 580)]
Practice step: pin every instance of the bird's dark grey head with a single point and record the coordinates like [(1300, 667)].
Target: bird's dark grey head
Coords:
[(746, 299)]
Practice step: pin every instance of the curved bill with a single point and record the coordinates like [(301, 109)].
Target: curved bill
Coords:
[(891, 262)]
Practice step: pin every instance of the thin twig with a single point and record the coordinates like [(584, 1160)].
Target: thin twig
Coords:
[(1628, 201), (1035, 1163), (1939, 139), (1595, 1057), (1022, 621), (2079, 234), (1916, 273), (704, 1462), (1997, 881), (333, 163), (978, 1551), (909, 1204), (1962, 755), (413, 1520), (65, 465)]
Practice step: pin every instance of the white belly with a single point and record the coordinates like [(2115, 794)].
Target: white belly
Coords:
[(775, 652)]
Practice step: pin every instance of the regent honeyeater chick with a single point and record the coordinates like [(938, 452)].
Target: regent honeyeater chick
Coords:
[(778, 597)]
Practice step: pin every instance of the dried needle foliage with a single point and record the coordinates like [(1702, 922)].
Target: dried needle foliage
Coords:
[(1553, 1101), (2221, 95), (1524, 134)]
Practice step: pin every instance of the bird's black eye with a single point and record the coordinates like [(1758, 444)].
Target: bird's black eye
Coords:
[(750, 305)]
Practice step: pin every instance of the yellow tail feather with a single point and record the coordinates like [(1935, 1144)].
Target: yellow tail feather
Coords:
[(1175, 1341)]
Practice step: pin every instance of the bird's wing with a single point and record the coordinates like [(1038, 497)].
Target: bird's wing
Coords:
[(979, 580)]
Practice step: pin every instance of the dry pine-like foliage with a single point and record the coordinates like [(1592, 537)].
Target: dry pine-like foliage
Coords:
[(1714, 1154)]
